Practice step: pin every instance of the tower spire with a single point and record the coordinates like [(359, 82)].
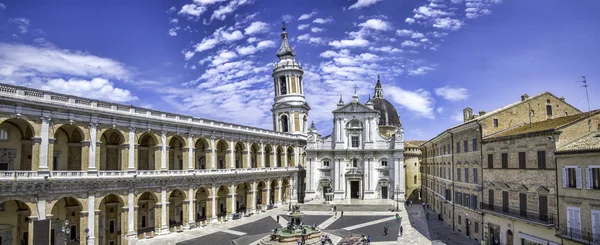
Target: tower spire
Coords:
[(285, 51), (378, 89)]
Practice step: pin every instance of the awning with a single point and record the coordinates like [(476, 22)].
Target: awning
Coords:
[(535, 239)]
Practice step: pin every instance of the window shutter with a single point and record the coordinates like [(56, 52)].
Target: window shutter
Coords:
[(588, 176), (569, 218), (596, 225), (564, 177), (576, 219), (578, 178)]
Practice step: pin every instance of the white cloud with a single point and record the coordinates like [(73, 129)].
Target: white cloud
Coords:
[(303, 26), (440, 109), (22, 61), (452, 94), (417, 35), (375, 24), (419, 101), (256, 27), (316, 29), (448, 24), (304, 37), (223, 57), (409, 20), (2, 6), (385, 49), (222, 12), (252, 39), (322, 21), (409, 43), (459, 117), (307, 16), (173, 32), (251, 49), (206, 44), (419, 71), (192, 10), (426, 12), (97, 88), (22, 24), (357, 42), (174, 21), (404, 32), (233, 36), (363, 3)]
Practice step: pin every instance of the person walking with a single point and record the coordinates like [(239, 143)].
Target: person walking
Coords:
[(397, 217), (369, 240), (342, 214), (278, 218), (322, 240), (385, 229), (401, 231)]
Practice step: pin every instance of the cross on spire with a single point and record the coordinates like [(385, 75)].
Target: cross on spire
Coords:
[(283, 26), (355, 87)]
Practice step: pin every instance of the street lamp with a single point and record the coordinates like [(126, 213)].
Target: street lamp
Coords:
[(66, 230), (397, 191)]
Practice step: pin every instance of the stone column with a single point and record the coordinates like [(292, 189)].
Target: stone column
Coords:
[(262, 155), (164, 226), (248, 155), (91, 222), (213, 155), (131, 153), (274, 163), (214, 204), (296, 156), (130, 214), (232, 154), (191, 205), (285, 158), (254, 190), (41, 207), (279, 184), (163, 150), (367, 132), (268, 190), (44, 134), (400, 177), (233, 194), (293, 187), (93, 150), (190, 152)]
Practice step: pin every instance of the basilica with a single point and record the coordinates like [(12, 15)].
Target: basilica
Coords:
[(78, 169)]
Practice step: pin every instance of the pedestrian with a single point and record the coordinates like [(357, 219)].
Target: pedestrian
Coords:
[(410, 202), (334, 208), (423, 205), (401, 231), (342, 215), (397, 217), (369, 240), (385, 229), (278, 218), (322, 240)]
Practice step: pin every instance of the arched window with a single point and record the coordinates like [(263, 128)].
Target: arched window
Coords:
[(355, 163), (415, 180), (282, 85), (325, 163), (384, 163), (284, 124), (354, 124)]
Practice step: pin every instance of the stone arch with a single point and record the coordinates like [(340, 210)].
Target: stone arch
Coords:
[(148, 156), (202, 154), (243, 191), (14, 217), (291, 160), (175, 152), (112, 219), (284, 122), (240, 155), (176, 207), (203, 206), (222, 151), (285, 190), (268, 156), (223, 192), (67, 208), (279, 156), (16, 147), (148, 215), (254, 155), (68, 148), (112, 152)]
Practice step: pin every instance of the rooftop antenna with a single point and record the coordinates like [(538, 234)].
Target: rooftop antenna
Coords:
[(588, 99)]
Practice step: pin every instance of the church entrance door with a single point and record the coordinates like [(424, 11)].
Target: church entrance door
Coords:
[(354, 189), (384, 192)]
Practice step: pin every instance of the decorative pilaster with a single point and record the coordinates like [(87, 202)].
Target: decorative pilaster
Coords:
[(262, 155), (130, 214), (231, 154), (91, 214), (285, 157), (131, 159), (213, 155), (233, 194), (92, 154), (279, 194), (163, 150), (248, 156), (190, 157), (214, 203), (44, 144), (191, 205), (164, 226)]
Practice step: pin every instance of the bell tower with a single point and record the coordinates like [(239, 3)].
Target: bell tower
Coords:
[(290, 110)]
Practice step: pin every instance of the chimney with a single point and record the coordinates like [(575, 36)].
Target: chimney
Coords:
[(467, 114), (481, 113), (524, 97), (562, 98)]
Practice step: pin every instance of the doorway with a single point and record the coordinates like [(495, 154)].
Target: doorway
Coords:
[(354, 190), (468, 222), (384, 192)]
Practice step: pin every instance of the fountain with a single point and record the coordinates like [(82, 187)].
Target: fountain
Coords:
[(294, 231)]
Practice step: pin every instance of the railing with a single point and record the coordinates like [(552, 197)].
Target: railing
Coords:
[(521, 214), (585, 236), (12, 175), (19, 92)]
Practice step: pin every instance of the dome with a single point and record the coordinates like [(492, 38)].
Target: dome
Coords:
[(388, 116)]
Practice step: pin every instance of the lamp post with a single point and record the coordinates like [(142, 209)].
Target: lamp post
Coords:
[(397, 191), (66, 230)]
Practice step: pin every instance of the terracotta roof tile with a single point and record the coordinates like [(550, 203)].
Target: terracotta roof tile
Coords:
[(590, 142), (547, 125)]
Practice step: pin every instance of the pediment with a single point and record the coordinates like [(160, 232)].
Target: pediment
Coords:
[(542, 190), (355, 108), (502, 185), (522, 188)]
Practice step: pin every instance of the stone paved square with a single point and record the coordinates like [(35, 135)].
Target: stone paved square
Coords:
[(350, 220), (218, 238), (263, 225)]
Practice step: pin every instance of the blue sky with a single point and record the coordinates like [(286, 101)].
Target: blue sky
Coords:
[(213, 58)]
